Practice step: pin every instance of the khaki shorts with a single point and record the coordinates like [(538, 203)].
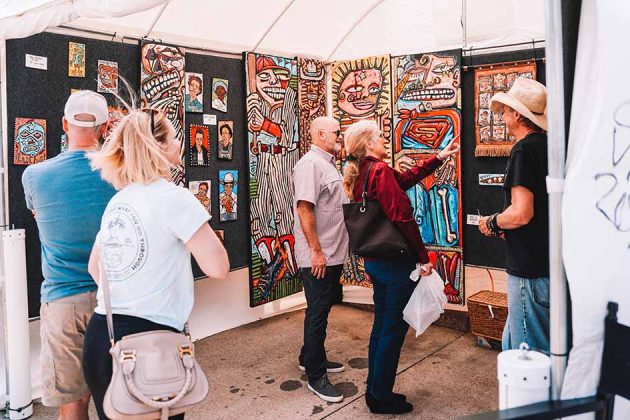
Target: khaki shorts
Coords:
[(62, 329)]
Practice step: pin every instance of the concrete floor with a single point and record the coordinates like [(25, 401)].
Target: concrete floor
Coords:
[(253, 372)]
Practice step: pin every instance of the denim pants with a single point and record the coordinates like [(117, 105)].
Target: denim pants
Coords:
[(392, 290), (528, 313), (320, 294)]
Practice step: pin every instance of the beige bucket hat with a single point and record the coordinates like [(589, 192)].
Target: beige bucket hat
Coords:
[(527, 97)]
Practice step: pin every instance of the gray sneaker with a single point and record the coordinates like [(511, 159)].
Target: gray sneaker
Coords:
[(325, 390), (331, 367)]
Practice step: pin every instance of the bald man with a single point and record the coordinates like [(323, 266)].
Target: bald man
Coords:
[(321, 247)]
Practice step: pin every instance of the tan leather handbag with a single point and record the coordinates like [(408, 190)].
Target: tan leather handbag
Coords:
[(155, 374)]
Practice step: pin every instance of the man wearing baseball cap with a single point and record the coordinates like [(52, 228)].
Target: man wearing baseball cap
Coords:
[(68, 199), (524, 221)]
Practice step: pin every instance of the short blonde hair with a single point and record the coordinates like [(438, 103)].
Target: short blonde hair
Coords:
[(355, 139), (133, 153)]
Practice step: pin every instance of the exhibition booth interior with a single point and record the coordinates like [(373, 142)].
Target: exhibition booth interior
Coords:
[(424, 71)]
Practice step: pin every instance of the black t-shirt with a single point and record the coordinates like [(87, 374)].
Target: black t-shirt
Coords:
[(528, 246)]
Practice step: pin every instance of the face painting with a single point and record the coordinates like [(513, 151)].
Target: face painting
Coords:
[(312, 84), (31, 138), (360, 91), (194, 88), (432, 79), (272, 84), (220, 92), (107, 77)]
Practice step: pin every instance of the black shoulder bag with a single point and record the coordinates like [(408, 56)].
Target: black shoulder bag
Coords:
[(371, 233)]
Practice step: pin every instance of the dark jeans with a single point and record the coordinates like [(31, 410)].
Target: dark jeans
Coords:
[(97, 362), (392, 290), (319, 298)]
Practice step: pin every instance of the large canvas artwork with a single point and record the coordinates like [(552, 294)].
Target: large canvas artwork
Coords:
[(361, 89), (162, 87), (426, 102), (311, 97), (492, 138), (272, 124), (29, 145)]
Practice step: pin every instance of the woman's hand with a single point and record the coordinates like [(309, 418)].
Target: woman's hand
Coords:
[(449, 150), (426, 269)]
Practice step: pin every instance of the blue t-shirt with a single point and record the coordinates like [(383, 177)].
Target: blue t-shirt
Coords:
[(69, 200)]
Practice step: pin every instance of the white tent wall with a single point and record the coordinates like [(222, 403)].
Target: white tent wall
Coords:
[(596, 208)]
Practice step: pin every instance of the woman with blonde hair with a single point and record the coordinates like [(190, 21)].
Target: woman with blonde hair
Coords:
[(365, 146), (148, 232)]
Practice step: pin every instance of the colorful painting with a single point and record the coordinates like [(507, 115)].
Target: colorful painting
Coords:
[(116, 113), (272, 121), (492, 138), (76, 59), (426, 102), (225, 140), (29, 145), (450, 266), (201, 190), (220, 94), (228, 195), (107, 77), (495, 180), (162, 87), (353, 273), (63, 143), (311, 97), (194, 92), (199, 146), (361, 89)]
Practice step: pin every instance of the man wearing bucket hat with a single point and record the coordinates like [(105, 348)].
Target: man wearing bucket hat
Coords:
[(227, 199), (524, 221), (56, 191)]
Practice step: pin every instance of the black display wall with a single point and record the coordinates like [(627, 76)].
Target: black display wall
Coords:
[(33, 93), (478, 249)]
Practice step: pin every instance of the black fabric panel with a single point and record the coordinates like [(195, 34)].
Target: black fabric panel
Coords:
[(478, 249), (33, 93), (236, 232)]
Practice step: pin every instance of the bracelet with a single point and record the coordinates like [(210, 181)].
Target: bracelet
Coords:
[(491, 224)]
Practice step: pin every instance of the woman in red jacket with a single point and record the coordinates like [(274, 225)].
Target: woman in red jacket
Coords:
[(392, 287)]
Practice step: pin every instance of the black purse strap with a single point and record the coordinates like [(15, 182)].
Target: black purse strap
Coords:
[(364, 193)]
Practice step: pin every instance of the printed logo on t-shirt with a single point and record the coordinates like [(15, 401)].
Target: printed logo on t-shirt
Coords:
[(123, 242)]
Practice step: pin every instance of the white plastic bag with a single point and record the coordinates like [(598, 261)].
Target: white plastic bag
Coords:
[(426, 303)]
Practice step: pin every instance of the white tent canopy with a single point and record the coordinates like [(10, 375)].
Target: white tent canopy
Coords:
[(326, 29)]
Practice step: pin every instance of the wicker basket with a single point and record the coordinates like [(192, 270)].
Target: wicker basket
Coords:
[(488, 312)]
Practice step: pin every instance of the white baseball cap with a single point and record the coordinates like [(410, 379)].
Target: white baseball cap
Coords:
[(86, 102)]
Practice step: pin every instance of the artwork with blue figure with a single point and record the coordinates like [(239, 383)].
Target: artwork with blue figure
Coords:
[(228, 195), (426, 113), (194, 92), (272, 125), (30, 141)]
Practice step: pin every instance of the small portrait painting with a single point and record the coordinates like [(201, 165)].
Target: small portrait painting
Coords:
[(107, 80), (201, 191), (485, 134), (194, 92), (498, 133), (30, 141), (228, 195), (226, 134), (219, 94), (511, 77), (499, 81), (485, 83), (484, 100), (527, 75), (484, 117), (199, 151), (76, 59)]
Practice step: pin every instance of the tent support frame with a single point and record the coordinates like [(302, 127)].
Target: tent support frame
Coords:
[(273, 24), (556, 153), (347, 34)]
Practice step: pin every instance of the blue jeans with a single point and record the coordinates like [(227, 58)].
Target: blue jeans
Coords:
[(392, 290), (528, 313)]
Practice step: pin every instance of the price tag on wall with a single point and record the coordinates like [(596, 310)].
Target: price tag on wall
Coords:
[(209, 119), (472, 219), (36, 62)]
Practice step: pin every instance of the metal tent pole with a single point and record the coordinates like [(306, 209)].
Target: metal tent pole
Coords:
[(555, 179)]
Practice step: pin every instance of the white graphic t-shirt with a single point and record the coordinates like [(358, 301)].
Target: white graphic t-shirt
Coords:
[(143, 251)]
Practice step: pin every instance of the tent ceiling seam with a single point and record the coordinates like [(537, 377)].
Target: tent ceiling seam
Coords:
[(155, 21), (273, 24), (363, 16)]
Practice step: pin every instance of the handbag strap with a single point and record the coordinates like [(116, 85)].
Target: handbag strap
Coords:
[(108, 302), (364, 193)]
